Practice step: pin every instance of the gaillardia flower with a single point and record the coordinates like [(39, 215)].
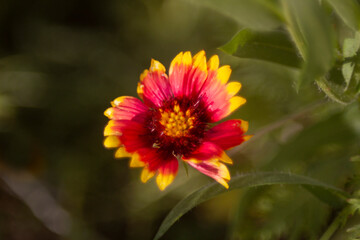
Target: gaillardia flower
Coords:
[(173, 123)]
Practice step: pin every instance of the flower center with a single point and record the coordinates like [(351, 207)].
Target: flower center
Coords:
[(176, 122)]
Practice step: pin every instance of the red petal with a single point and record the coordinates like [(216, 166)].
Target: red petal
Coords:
[(127, 108), (152, 157), (132, 134), (187, 74), (228, 134), (207, 150), (216, 97), (156, 88)]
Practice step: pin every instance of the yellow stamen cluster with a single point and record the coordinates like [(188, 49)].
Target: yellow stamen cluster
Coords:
[(176, 122)]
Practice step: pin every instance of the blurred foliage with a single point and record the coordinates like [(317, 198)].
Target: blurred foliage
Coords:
[(62, 62)]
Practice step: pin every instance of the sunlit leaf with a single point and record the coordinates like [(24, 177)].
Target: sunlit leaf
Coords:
[(273, 46), (243, 181), (312, 33), (256, 14), (350, 48), (349, 11)]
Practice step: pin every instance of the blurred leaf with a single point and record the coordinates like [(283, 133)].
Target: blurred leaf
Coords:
[(256, 14), (355, 158), (242, 181), (308, 146), (273, 46), (354, 232), (305, 216), (349, 11), (312, 33)]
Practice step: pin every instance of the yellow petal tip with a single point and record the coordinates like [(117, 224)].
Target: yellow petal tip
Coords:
[(213, 63), (143, 74), (122, 153), (244, 125), (109, 112), (156, 66), (233, 88), (112, 142), (225, 184), (117, 101), (223, 73), (135, 161), (146, 175), (199, 61), (225, 158), (175, 61), (108, 129), (247, 137), (236, 102), (187, 59), (164, 180), (140, 90)]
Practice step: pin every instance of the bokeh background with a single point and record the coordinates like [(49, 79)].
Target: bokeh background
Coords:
[(62, 62)]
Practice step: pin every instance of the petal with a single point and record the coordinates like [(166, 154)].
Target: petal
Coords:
[(225, 158), (212, 168), (126, 108), (235, 103), (156, 66), (223, 74), (135, 161), (146, 174), (207, 150), (178, 72), (216, 99), (112, 142), (108, 131), (153, 157), (187, 74), (167, 173), (154, 87), (228, 134), (133, 135), (217, 95), (233, 88), (122, 153), (213, 63)]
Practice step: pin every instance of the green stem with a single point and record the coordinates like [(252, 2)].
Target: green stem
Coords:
[(338, 222)]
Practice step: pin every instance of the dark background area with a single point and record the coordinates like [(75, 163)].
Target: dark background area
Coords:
[(62, 62)]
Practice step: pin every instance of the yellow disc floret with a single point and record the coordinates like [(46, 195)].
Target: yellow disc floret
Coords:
[(176, 122)]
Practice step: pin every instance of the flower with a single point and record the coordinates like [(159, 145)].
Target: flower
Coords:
[(173, 121)]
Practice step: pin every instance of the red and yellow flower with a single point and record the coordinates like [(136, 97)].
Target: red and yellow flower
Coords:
[(173, 121)]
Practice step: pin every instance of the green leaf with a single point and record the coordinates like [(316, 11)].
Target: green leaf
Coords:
[(313, 35), (334, 88), (349, 12), (255, 14), (243, 181), (273, 46), (350, 49)]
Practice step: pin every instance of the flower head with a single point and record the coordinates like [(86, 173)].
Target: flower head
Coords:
[(173, 121)]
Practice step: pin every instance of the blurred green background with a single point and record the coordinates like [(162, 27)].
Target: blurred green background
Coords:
[(62, 62)]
